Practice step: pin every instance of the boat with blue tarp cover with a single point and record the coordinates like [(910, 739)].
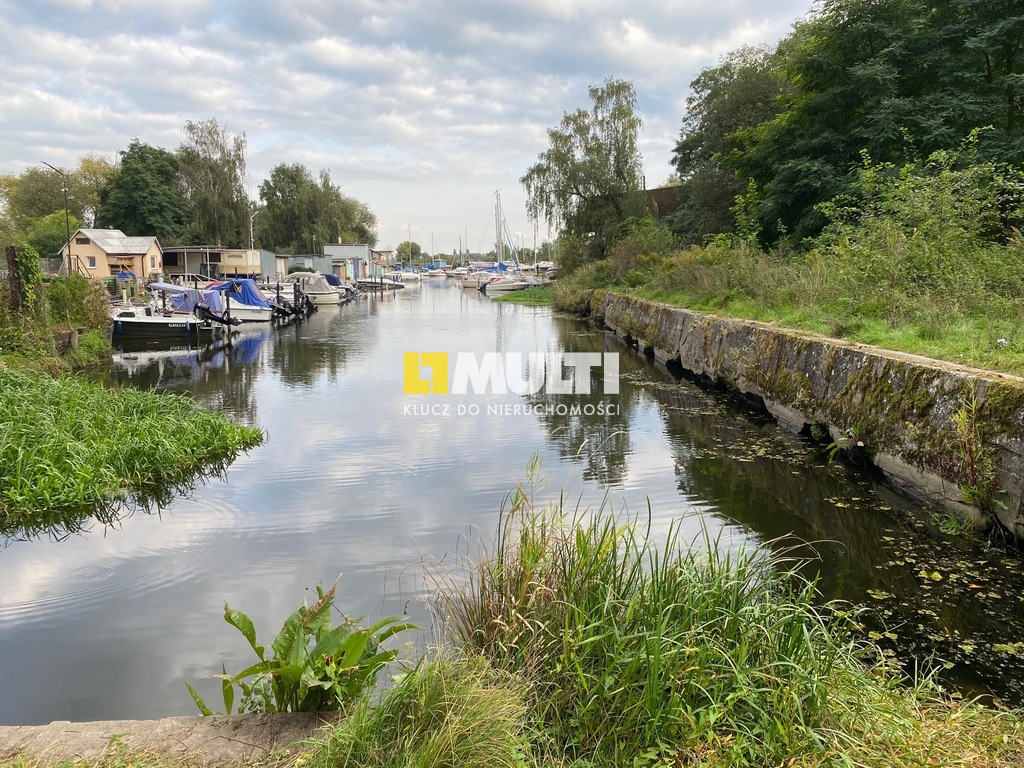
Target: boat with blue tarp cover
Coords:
[(179, 313), (244, 301)]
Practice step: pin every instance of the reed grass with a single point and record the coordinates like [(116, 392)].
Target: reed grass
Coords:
[(69, 445), (446, 712), (974, 319), (690, 653)]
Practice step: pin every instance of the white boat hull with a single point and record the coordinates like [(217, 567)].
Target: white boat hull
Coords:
[(476, 279), (505, 285), (250, 314)]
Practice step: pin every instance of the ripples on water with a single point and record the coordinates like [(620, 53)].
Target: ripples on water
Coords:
[(108, 624)]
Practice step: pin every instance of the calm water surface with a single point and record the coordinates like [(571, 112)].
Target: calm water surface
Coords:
[(110, 622)]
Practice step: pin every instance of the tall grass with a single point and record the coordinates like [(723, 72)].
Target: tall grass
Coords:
[(458, 713), (687, 653), (977, 322), (538, 295), (71, 445)]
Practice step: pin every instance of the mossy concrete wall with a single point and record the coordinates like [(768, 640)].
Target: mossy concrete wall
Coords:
[(900, 406)]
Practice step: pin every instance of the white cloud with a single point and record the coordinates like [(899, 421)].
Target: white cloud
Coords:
[(421, 110)]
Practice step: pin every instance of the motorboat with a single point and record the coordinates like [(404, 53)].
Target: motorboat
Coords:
[(379, 284), (435, 269), (506, 283), (403, 275), (313, 285), (345, 290), (149, 323), (478, 278), (244, 301), (151, 320)]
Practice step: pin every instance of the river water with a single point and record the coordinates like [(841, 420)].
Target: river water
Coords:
[(391, 490)]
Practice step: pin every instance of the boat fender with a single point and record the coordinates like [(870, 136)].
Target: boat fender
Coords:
[(118, 327)]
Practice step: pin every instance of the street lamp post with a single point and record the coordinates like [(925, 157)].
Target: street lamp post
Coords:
[(67, 225), (252, 246)]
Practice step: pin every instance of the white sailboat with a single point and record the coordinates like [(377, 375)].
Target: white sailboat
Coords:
[(512, 279)]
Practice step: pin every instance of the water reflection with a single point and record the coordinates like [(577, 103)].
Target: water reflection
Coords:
[(350, 482), (932, 595)]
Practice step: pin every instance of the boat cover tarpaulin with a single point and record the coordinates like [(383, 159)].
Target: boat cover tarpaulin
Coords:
[(184, 299), (333, 280), (243, 290)]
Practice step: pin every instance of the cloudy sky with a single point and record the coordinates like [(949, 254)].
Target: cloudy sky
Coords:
[(421, 109)]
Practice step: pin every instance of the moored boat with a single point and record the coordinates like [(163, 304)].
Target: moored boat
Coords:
[(506, 284), (379, 284), (180, 313), (313, 285), (478, 278), (150, 323), (243, 301)]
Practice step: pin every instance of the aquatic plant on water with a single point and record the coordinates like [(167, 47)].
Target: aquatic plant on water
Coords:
[(72, 445), (314, 666)]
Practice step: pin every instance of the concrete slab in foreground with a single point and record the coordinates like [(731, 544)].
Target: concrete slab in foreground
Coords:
[(221, 740)]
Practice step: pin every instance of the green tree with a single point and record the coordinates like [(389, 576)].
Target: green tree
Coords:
[(740, 93), (301, 213), (48, 234), (211, 162), (589, 179), (409, 252), (994, 45), (86, 184), (144, 195), (37, 192), (899, 79)]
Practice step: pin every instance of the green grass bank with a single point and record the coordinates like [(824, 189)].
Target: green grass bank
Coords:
[(538, 295), (70, 448)]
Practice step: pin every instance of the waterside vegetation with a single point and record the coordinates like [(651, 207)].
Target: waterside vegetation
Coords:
[(582, 640), (73, 450), (538, 296), (36, 312), (861, 179), (71, 447), (914, 269), (313, 666)]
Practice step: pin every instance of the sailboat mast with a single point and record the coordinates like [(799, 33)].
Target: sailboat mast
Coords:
[(498, 239)]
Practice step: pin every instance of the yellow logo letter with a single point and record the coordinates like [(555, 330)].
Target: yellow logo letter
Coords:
[(438, 381)]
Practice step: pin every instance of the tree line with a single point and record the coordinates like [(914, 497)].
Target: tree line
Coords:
[(776, 140), (193, 195)]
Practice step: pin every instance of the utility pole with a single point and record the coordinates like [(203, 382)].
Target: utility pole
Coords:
[(67, 225)]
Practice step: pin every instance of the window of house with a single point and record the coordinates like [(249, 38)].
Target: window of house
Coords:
[(170, 259), (152, 262), (91, 261), (81, 240)]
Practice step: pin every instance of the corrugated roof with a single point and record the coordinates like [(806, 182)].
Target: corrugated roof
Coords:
[(114, 241)]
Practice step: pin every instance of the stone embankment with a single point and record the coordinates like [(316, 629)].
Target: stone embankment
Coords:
[(221, 740), (946, 433)]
